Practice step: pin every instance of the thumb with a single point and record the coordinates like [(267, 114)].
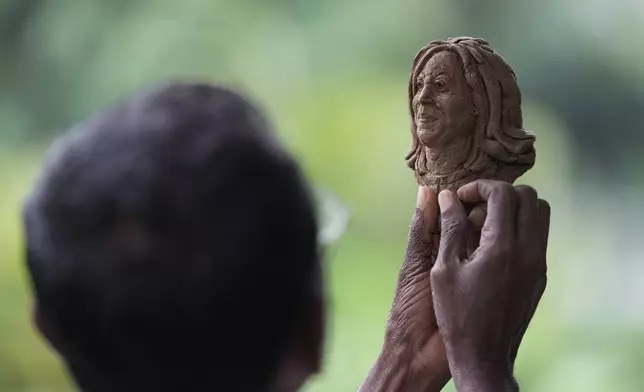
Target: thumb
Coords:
[(454, 229), (423, 224)]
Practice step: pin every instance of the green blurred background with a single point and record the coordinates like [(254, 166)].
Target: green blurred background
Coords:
[(332, 75)]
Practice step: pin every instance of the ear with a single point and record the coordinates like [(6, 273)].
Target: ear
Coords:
[(41, 325)]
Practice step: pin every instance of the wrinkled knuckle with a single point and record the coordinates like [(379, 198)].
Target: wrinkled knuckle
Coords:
[(526, 192), (453, 223), (449, 212), (505, 191)]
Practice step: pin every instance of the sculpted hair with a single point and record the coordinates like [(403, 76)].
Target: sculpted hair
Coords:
[(499, 131), (172, 244)]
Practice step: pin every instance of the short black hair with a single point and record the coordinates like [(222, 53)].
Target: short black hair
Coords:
[(172, 233)]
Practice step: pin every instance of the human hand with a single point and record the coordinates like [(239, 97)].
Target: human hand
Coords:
[(485, 298), (413, 355)]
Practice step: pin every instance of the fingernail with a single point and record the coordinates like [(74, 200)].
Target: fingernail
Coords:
[(421, 199), (445, 200)]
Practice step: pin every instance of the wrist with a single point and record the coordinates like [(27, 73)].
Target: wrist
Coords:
[(397, 370), (484, 377)]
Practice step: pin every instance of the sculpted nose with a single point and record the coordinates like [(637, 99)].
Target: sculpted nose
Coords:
[(424, 96)]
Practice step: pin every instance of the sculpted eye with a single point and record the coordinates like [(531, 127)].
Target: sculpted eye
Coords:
[(440, 84), (419, 82)]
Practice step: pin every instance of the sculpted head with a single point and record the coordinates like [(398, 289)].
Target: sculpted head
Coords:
[(461, 92)]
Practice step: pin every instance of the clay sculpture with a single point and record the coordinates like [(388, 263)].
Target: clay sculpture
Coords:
[(466, 119)]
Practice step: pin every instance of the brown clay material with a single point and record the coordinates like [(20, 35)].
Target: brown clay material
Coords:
[(466, 119)]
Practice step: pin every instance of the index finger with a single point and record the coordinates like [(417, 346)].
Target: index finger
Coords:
[(501, 201)]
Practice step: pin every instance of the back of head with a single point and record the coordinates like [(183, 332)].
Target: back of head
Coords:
[(171, 243)]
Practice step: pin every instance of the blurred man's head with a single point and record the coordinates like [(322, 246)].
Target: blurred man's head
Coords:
[(172, 245)]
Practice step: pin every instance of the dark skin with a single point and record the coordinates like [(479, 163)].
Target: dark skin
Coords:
[(413, 355), (464, 313)]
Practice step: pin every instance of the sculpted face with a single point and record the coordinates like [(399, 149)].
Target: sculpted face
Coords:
[(443, 108)]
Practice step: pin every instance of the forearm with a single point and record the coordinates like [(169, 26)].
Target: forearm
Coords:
[(394, 371)]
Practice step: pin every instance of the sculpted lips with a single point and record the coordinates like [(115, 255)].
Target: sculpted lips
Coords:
[(424, 118)]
